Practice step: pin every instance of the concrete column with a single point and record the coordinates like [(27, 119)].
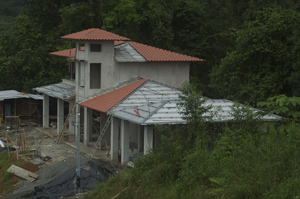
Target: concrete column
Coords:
[(46, 111), (114, 139), (71, 118), (124, 141), (139, 138), (87, 136), (148, 138), (60, 115)]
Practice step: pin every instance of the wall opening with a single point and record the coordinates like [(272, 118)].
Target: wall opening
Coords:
[(95, 47), (95, 76)]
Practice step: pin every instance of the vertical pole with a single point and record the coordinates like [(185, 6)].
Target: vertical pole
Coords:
[(78, 153)]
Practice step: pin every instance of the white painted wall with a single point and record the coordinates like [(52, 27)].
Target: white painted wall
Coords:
[(113, 73)]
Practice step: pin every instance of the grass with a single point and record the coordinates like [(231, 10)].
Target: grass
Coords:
[(119, 186), (7, 180)]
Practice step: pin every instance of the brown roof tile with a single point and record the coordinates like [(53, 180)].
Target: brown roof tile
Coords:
[(95, 34), (64, 53), (106, 101), (152, 54)]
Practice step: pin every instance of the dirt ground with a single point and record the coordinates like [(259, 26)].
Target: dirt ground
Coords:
[(51, 161)]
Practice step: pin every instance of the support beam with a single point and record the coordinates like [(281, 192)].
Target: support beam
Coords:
[(78, 120), (139, 138), (148, 139), (87, 126), (46, 111), (114, 139), (124, 142), (60, 115)]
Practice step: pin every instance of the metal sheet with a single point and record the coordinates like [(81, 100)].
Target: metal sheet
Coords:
[(155, 103), (126, 53), (62, 90), (13, 94)]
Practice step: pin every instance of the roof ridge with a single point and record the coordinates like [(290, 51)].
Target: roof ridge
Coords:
[(128, 94)]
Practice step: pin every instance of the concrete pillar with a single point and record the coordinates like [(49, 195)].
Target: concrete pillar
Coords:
[(87, 136), (114, 139), (148, 138), (139, 138), (124, 141), (46, 111), (71, 118), (60, 115)]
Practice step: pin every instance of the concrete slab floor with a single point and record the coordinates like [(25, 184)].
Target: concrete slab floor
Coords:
[(99, 154)]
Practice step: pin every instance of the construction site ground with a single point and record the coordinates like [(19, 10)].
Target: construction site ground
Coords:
[(53, 158)]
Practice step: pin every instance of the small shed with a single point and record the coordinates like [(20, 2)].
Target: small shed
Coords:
[(26, 106)]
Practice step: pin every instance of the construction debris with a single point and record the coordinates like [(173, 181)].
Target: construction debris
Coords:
[(18, 171)]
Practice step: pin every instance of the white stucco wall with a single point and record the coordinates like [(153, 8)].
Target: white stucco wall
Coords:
[(114, 73)]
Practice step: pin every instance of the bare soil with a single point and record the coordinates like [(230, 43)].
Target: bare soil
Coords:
[(57, 158)]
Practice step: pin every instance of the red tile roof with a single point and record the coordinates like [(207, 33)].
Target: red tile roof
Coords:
[(96, 35), (152, 54), (106, 101), (65, 53)]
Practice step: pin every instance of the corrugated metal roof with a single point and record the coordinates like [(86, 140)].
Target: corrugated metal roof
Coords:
[(64, 90), (106, 101), (126, 53), (95, 34), (147, 102), (13, 94), (36, 97), (157, 104)]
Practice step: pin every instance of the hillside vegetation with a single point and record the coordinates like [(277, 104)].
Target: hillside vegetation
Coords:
[(252, 51), (246, 158)]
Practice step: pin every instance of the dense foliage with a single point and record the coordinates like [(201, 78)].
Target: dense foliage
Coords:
[(251, 48), (247, 158), (252, 54)]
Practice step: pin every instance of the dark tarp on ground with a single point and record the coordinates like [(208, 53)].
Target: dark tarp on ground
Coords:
[(90, 175)]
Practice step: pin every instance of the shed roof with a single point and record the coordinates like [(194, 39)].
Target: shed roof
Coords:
[(147, 102), (64, 90), (95, 34), (13, 94)]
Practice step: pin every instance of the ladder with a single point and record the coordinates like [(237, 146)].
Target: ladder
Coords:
[(99, 139), (66, 123), (102, 133)]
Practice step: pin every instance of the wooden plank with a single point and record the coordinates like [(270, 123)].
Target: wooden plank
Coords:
[(18, 171)]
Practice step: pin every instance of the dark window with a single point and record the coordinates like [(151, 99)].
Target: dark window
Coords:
[(95, 47), (95, 76)]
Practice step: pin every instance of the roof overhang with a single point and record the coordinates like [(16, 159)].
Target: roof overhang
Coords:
[(13, 94), (151, 103), (64, 90)]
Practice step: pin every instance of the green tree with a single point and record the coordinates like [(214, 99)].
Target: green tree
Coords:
[(25, 62), (264, 59)]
